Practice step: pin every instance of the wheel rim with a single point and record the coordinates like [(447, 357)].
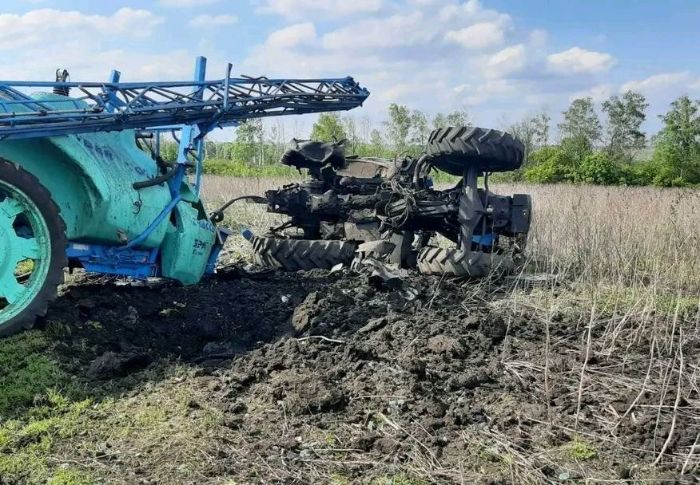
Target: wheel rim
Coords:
[(25, 251)]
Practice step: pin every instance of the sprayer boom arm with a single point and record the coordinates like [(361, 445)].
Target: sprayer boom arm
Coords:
[(118, 106)]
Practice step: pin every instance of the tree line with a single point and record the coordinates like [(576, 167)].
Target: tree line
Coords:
[(617, 152), (587, 150)]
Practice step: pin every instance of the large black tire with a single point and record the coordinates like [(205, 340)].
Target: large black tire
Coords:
[(29, 184), (301, 254), (454, 262), (452, 150)]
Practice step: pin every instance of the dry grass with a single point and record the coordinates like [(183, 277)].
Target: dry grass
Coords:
[(619, 234)]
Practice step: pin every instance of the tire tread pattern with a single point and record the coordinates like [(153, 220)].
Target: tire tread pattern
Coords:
[(454, 262), (452, 149), (301, 254)]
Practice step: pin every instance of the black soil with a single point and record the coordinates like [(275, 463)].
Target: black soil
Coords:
[(436, 379)]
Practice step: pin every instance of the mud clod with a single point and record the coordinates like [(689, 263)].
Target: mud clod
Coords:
[(111, 364)]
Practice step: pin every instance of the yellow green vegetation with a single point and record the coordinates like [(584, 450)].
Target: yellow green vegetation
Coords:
[(26, 444), (580, 450), (53, 441)]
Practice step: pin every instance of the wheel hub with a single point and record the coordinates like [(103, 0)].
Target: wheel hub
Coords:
[(25, 254)]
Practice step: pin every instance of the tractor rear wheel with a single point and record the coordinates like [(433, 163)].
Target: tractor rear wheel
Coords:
[(32, 248), (454, 149), (301, 254), (455, 262)]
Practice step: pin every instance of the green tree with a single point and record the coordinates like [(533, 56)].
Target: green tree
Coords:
[(541, 127), (458, 117), (682, 126), (351, 133), (525, 130), (550, 165), (439, 121), (598, 168), (419, 128), (250, 141), (328, 127), (625, 118), (377, 145), (580, 128), (677, 150), (398, 127)]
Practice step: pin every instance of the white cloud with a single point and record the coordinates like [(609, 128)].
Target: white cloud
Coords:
[(86, 62), (186, 3), (598, 93), (480, 93), (539, 38), (580, 61), (425, 27), (394, 31), (657, 82), (292, 36), (507, 61), (45, 26), (400, 91), (205, 20), (465, 10), (401, 50), (298, 9), (480, 35)]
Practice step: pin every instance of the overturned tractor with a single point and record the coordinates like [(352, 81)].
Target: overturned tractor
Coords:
[(352, 207)]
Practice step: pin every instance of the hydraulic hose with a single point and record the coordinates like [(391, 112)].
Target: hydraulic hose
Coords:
[(218, 214), (155, 180), (419, 168)]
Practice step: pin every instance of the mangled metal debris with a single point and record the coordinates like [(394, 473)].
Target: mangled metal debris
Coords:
[(357, 208)]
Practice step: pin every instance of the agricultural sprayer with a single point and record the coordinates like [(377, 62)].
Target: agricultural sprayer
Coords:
[(77, 190)]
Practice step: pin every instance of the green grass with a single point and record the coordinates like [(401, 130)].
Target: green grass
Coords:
[(70, 476), (232, 168), (580, 450), (27, 442), (28, 372), (622, 299), (51, 434)]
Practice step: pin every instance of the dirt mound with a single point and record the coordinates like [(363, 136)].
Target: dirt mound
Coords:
[(226, 315), (331, 376)]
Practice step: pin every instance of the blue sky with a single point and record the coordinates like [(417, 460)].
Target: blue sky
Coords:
[(501, 60)]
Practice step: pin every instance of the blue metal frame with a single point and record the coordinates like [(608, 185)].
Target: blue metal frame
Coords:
[(193, 107), (139, 264)]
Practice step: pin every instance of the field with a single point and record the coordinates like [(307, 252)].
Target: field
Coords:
[(584, 368)]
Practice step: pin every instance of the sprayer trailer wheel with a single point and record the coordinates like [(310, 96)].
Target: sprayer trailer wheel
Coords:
[(301, 254), (32, 248)]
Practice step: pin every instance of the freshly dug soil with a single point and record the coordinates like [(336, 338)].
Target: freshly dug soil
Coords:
[(325, 376)]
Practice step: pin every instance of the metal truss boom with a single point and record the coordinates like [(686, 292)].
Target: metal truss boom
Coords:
[(113, 106)]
